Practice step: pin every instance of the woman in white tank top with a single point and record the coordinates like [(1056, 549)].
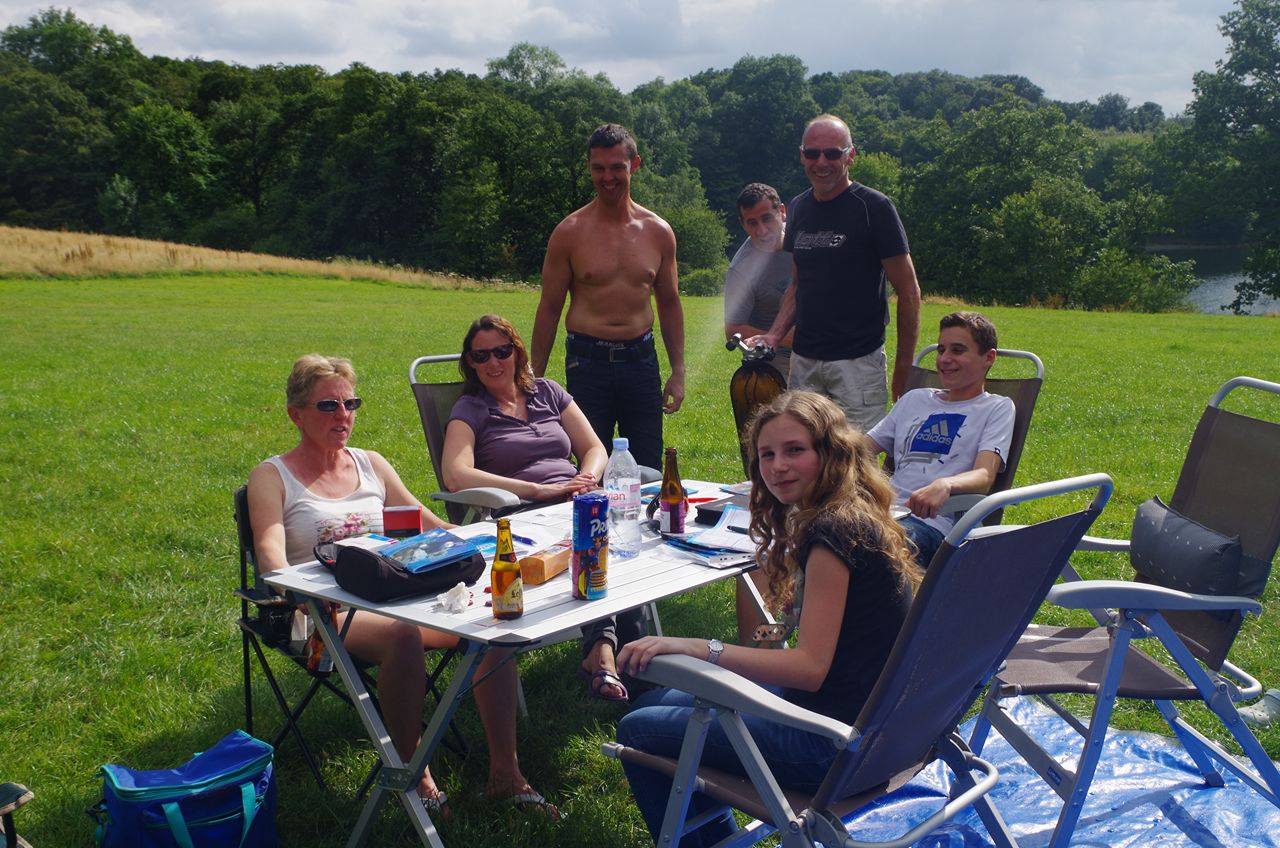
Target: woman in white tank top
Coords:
[(322, 490)]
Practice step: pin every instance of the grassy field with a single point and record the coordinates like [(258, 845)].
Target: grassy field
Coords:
[(131, 408)]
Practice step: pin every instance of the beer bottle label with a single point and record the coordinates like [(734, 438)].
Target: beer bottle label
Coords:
[(510, 599), (671, 516)]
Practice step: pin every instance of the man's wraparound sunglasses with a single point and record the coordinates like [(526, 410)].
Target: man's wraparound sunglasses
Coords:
[(330, 405), (832, 153), (481, 356)]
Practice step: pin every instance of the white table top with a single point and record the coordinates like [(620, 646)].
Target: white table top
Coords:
[(658, 571)]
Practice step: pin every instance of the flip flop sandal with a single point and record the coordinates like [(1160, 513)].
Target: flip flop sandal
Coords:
[(437, 805), (600, 679), (531, 801)]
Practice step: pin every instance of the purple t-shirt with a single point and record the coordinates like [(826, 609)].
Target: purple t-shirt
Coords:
[(536, 451)]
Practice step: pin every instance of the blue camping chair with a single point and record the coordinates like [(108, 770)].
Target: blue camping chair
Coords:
[(1191, 593), (976, 599)]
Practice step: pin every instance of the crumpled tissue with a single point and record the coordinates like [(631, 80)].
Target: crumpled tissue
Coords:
[(457, 599)]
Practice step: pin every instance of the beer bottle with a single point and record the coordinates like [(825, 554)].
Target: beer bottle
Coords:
[(506, 587), (672, 503)]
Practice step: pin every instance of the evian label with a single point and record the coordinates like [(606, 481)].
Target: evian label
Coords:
[(625, 496)]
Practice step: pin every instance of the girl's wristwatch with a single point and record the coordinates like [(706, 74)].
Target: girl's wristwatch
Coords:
[(714, 649)]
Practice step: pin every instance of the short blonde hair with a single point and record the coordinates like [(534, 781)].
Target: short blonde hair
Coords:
[(311, 369)]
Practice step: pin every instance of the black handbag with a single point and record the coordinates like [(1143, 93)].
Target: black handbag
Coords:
[(376, 577)]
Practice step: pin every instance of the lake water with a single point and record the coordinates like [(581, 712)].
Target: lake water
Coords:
[(1219, 271)]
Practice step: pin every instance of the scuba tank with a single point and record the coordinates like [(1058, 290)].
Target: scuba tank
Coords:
[(755, 383)]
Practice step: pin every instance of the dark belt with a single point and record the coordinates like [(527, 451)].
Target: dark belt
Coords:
[(589, 347)]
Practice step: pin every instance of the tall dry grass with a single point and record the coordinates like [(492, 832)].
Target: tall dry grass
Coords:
[(48, 253)]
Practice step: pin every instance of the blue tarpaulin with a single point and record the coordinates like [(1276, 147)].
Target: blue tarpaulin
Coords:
[(1146, 792)]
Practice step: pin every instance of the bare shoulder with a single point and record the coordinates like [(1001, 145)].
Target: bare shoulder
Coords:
[(264, 482), (264, 473), (573, 224), (655, 226), (378, 461)]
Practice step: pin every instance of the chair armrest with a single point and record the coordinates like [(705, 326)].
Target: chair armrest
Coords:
[(733, 691), (1088, 543), (484, 496), (994, 530), (263, 599), (960, 503), (1123, 594), (1098, 543)]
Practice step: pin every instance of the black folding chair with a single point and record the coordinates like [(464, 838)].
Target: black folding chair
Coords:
[(265, 622), (1191, 603), (977, 597)]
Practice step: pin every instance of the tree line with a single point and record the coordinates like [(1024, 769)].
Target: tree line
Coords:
[(1008, 196)]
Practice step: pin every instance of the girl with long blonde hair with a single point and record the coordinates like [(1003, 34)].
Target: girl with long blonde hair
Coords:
[(841, 573)]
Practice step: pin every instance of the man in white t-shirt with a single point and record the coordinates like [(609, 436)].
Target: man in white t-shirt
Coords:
[(947, 441), (760, 271)]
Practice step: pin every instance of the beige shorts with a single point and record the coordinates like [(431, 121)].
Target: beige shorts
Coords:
[(856, 385)]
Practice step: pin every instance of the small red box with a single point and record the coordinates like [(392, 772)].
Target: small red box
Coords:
[(401, 522)]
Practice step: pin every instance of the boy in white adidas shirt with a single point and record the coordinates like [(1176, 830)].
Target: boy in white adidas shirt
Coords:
[(947, 441)]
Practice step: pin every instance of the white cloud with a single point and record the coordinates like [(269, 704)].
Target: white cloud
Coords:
[(1073, 49)]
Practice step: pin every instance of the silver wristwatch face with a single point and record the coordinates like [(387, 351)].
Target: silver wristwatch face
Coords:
[(714, 648)]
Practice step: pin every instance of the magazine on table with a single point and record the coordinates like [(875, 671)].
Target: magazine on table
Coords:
[(724, 545), (429, 550)]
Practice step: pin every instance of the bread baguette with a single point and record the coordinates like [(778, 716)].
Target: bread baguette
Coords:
[(540, 566)]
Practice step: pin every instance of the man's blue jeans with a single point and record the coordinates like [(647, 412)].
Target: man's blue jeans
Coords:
[(799, 760), (624, 394), (925, 537)]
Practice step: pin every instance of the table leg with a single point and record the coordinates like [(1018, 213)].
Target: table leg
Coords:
[(395, 776), (751, 609)]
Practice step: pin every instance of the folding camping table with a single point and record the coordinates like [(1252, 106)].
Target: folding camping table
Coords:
[(551, 615)]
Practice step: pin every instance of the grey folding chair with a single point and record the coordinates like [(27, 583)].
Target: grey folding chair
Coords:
[(435, 403), (1023, 391), (977, 597), (1229, 484)]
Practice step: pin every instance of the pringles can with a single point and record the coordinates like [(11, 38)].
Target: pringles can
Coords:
[(589, 567)]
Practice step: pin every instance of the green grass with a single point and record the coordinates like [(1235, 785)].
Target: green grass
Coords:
[(131, 408)]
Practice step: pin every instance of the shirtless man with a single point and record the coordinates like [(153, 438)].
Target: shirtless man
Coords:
[(609, 257)]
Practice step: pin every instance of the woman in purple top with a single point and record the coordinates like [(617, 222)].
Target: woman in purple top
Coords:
[(513, 431)]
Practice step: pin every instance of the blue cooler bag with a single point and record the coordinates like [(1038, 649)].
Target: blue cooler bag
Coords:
[(224, 797)]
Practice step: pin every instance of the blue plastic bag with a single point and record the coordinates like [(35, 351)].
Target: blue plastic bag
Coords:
[(224, 797)]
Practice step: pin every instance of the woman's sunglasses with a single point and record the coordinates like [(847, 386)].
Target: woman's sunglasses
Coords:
[(832, 153), (330, 405), (480, 357)]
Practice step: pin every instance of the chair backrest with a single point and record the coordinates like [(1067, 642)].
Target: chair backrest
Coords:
[(974, 603), (250, 580), (1230, 482), (435, 404), (1023, 391)]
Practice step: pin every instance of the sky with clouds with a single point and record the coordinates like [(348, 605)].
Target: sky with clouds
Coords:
[(1073, 49)]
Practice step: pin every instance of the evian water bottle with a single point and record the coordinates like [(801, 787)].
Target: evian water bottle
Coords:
[(622, 485)]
